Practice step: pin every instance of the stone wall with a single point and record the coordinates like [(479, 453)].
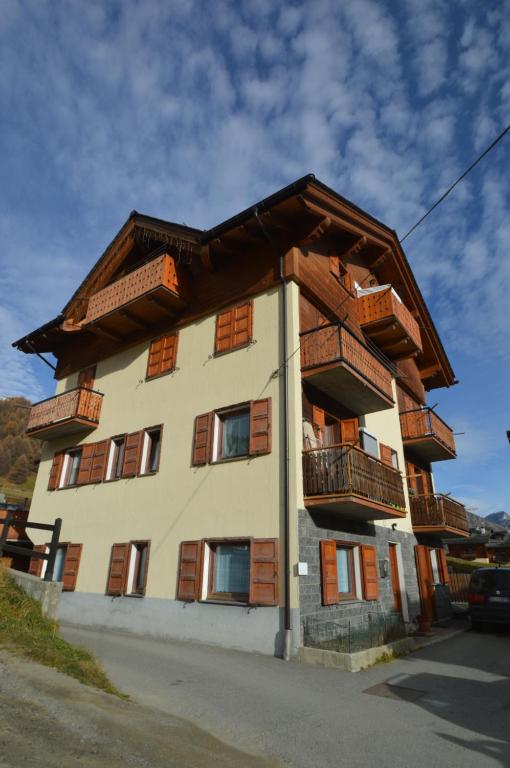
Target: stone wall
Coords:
[(47, 593)]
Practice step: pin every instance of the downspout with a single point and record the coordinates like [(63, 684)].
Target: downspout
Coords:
[(287, 647)]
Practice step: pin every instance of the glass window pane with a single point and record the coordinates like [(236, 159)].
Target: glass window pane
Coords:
[(118, 456), (236, 434), (58, 568), (232, 568), (344, 576), (75, 465), (141, 562), (155, 444)]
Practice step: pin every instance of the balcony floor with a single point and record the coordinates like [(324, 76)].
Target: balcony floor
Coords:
[(429, 448), (342, 383), (353, 506), (440, 530), (141, 312), (62, 428)]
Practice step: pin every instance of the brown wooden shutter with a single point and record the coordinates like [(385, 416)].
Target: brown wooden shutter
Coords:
[(443, 566), (224, 332), (154, 360), (35, 567), (242, 324), (71, 565), (87, 377), (425, 580), (202, 439), (99, 460), (329, 572), (132, 454), (56, 469), (190, 570), (119, 564), (260, 427), (169, 352), (263, 572), (369, 572), (319, 423), (85, 467), (385, 454), (349, 431)]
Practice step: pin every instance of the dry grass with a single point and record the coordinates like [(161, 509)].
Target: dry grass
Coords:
[(25, 631)]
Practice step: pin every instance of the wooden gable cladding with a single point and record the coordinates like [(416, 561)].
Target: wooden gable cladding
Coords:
[(370, 576), (162, 355), (234, 328), (408, 378)]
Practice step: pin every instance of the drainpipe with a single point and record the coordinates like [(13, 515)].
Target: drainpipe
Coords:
[(287, 648)]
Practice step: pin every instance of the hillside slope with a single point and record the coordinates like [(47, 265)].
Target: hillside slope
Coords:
[(18, 453)]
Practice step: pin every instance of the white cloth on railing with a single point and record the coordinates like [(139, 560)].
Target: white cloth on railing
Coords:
[(376, 289)]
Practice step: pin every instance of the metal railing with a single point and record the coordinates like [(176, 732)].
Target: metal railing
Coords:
[(351, 635), (78, 403), (436, 509), (333, 342), (345, 469), (422, 422), (11, 521)]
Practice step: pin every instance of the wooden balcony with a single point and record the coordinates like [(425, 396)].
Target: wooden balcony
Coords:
[(438, 514), (346, 481), (339, 365), (71, 412), (389, 324), (427, 435), (137, 300)]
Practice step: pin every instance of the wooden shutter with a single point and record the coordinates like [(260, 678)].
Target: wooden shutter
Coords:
[(119, 564), (132, 454), (71, 565), (263, 572), (87, 377), (349, 431), (260, 426), (190, 570), (329, 572), (202, 439), (99, 460), (425, 580), (55, 471), (85, 467), (223, 338), (369, 572), (234, 328), (35, 567), (385, 454), (162, 355), (319, 423), (443, 566)]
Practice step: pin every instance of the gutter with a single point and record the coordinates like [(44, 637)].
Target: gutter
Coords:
[(287, 648)]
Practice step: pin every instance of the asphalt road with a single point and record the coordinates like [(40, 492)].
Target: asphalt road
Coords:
[(447, 705)]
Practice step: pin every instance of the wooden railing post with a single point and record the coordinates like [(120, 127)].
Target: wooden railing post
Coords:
[(48, 576)]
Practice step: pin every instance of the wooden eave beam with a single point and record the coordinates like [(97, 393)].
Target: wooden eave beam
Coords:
[(156, 300), (430, 372), (103, 332), (316, 232), (342, 224), (133, 318)]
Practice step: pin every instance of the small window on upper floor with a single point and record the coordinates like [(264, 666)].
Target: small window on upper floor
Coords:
[(72, 460), (234, 328), (233, 433), (151, 451), (115, 458), (162, 355)]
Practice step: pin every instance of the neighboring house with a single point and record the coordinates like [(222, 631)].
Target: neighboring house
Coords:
[(485, 545), (16, 535), (225, 447)]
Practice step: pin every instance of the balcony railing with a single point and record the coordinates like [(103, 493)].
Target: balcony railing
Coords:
[(386, 319), (425, 432), (155, 283), (347, 475), (329, 352), (73, 411), (435, 512)]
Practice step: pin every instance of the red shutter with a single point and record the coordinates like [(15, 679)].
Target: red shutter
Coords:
[(169, 352), (85, 467), (202, 439), (87, 377), (260, 426), (56, 469), (319, 423), (155, 355), (132, 454), (71, 565), (242, 324), (349, 431), (36, 564), (264, 572), (329, 572), (443, 566), (119, 564), (223, 338), (369, 572), (190, 570), (385, 454), (99, 460)]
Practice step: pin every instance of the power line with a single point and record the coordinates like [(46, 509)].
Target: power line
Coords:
[(450, 189)]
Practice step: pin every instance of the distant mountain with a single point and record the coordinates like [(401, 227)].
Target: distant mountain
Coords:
[(500, 518), (475, 521)]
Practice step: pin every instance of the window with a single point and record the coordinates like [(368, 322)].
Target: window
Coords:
[(345, 573), (234, 434), (233, 328), (116, 458), (151, 451), (71, 467), (58, 568), (348, 571), (162, 355), (368, 442), (229, 571), (388, 455), (138, 562), (66, 565), (129, 564)]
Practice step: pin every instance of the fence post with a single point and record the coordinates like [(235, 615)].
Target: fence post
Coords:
[(5, 531), (48, 576)]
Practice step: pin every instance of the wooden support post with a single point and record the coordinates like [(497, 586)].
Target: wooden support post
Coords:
[(48, 576)]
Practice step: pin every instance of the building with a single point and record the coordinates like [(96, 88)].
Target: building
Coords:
[(235, 415), (483, 544)]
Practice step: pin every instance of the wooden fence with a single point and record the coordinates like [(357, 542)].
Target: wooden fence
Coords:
[(459, 583), (12, 522)]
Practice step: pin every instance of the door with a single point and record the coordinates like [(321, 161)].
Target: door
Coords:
[(395, 579), (425, 581)]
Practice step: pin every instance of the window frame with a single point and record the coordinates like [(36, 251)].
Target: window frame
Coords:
[(132, 578), (146, 451), (353, 593), (209, 573), (218, 430), (113, 459), (65, 474)]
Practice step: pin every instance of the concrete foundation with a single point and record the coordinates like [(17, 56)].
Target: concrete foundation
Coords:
[(47, 593), (355, 662)]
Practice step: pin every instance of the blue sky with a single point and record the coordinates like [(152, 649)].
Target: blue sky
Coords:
[(193, 109)]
